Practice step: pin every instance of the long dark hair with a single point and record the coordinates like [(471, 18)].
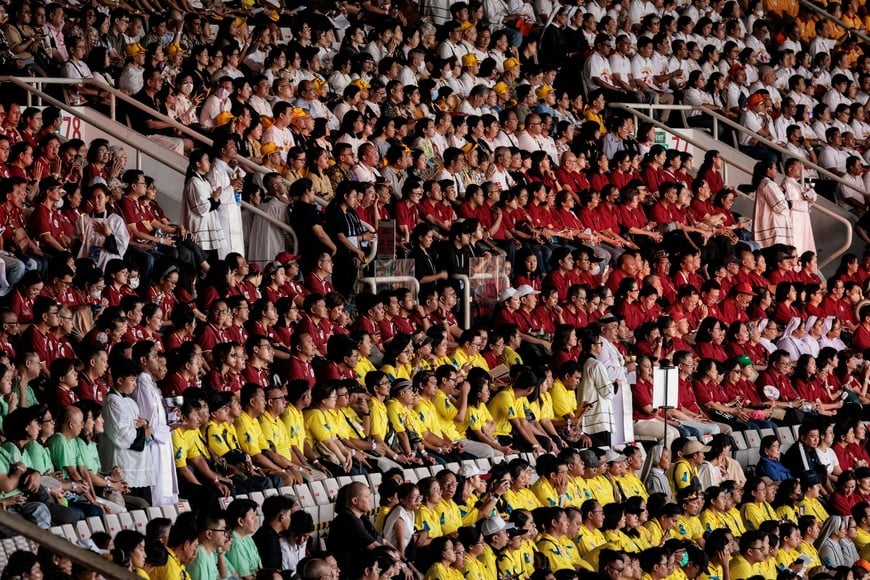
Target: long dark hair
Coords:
[(760, 172)]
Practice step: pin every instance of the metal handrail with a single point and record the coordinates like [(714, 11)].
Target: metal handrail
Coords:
[(740, 128), (89, 560), (243, 161), (832, 18), (373, 281), (84, 113), (848, 225)]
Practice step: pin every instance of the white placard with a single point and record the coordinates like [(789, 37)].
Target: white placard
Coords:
[(666, 382)]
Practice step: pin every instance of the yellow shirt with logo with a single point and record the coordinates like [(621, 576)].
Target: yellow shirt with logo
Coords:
[(522, 499), (813, 507), (631, 485), (589, 540), (504, 408), (446, 411), (276, 435), (427, 520), (755, 513), (564, 401), (689, 528), (187, 443), (449, 516), (428, 417), (378, 421), (294, 422), (221, 438), (554, 551)]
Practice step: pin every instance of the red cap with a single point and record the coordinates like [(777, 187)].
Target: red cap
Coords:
[(285, 257), (744, 288), (678, 315)]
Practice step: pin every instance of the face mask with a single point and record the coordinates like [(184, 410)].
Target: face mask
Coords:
[(58, 204), (448, 74), (186, 88), (96, 294), (684, 560), (222, 93), (434, 95), (133, 283)]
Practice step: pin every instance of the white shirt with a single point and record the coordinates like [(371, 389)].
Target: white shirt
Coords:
[(831, 158), (282, 137), (598, 67)]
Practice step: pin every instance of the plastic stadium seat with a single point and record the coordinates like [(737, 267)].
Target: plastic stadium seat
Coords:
[(169, 511), (786, 438), (286, 490), (57, 531), (96, 525), (140, 519), (422, 472), (342, 481), (359, 478), (375, 480), (126, 519), (766, 432), (739, 440), (270, 492), (485, 464), (319, 492), (332, 488), (411, 476), (112, 523), (302, 492), (82, 530), (154, 513), (183, 506), (434, 469), (258, 497), (327, 513), (753, 440)]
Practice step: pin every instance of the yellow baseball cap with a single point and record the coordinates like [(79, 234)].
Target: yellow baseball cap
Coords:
[(361, 84), (501, 88), (299, 113), (511, 63), (134, 49), (269, 148), (543, 91), (174, 48), (223, 118), (469, 59)]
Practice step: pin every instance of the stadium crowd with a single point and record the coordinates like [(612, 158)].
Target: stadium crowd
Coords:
[(146, 358)]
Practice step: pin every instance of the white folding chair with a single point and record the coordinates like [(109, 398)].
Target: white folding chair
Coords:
[(169, 511), (270, 492), (96, 524), (318, 491), (332, 488), (153, 513), (140, 518), (126, 520)]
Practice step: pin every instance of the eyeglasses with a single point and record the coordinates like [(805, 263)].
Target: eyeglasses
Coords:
[(221, 530)]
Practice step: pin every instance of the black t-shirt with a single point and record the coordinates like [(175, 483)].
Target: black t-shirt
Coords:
[(138, 118), (303, 219), (349, 537), (269, 547)]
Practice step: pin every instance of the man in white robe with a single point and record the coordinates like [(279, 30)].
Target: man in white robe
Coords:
[(230, 180), (164, 490), (127, 433)]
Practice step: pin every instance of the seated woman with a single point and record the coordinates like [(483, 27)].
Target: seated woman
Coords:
[(769, 465)]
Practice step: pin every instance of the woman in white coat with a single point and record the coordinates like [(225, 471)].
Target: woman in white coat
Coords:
[(771, 224), (164, 491), (598, 390), (200, 207), (128, 434), (801, 200)]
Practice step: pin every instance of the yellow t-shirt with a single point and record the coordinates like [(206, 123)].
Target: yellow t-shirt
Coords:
[(459, 358), (683, 474), (428, 417), (542, 408), (505, 407), (401, 372), (449, 516), (317, 426), (427, 520), (439, 572), (862, 542), (488, 563), (589, 540), (294, 423), (711, 520), (510, 564), (474, 570), (477, 417), (546, 494), (813, 507), (601, 489), (578, 490), (714, 572), (378, 420), (741, 568), (446, 412), (555, 552), (252, 441), (755, 513), (564, 401), (221, 438), (276, 435), (689, 528), (173, 569), (510, 357), (363, 367), (187, 443), (522, 499), (631, 485)]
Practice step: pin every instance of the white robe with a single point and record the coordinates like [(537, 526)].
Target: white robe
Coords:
[(801, 226), (93, 240), (597, 388), (771, 223), (120, 414), (164, 490), (230, 211), (197, 215)]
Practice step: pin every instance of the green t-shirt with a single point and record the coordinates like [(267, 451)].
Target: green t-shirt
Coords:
[(36, 456), (205, 566), (243, 555), (89, 454), (64, 453), (7, 458)]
